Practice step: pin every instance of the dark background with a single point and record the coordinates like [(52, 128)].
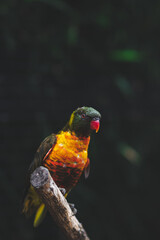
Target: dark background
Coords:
[(56, 56)]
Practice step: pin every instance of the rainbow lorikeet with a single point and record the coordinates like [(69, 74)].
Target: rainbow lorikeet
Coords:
[(65, 155)]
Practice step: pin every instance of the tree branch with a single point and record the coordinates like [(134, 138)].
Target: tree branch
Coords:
[(57, 205)]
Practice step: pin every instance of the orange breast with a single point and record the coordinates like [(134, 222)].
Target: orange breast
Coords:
[(67, 159)]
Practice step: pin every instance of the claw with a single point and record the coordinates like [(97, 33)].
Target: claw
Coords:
[(72, 206), (63, 191)]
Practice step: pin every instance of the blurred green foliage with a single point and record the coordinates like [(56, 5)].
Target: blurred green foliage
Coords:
[(124, 86), (72, 35), (129, 153), (127, 55)]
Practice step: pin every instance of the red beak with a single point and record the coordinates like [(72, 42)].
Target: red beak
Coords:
[(95, 124)]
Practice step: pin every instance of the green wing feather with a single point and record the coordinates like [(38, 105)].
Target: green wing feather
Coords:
[(44, 147), (31, 201)]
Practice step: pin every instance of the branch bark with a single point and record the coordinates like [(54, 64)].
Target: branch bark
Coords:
[(57, 205)]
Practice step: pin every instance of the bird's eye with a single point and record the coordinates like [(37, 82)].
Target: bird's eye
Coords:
[(83, 115)]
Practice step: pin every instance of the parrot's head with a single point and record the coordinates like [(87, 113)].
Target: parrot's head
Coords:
[(84, 120)]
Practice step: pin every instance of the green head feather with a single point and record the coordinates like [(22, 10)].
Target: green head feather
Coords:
[(80, 120)]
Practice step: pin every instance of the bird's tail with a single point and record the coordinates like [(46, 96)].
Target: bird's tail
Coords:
[(32, 203), (40, 214)]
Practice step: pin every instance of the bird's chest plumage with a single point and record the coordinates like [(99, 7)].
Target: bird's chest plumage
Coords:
[(67, 159)]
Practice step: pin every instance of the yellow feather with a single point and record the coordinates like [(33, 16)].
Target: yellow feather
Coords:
[(71, 119), (39, 215)]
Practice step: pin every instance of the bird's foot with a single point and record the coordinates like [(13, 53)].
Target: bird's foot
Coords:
[(63, 191), (72, 206)]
